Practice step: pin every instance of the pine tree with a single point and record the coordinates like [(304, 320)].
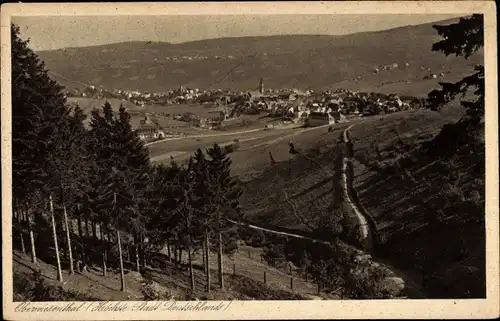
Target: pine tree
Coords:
[(464, 38), (37, 106), (225, 194), (203, 206)]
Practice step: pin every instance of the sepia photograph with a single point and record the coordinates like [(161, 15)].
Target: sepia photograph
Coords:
[(179, 159)]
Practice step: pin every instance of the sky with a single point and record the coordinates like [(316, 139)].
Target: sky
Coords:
[(54, 32)]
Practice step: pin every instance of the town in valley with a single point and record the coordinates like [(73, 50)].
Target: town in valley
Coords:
[(275, 164)]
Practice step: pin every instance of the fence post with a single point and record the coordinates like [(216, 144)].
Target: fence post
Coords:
[(234, 268), (261, 258), (249, 254), (265, 278), (291, 283), (318, 287)]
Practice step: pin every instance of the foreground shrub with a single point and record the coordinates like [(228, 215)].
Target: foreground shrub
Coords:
[(35, 288), (261, 291), (152, 292)]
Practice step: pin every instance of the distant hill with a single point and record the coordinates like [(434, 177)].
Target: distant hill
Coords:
[(303, 61)]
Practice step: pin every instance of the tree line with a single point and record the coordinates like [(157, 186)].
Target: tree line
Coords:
[(90, 193)]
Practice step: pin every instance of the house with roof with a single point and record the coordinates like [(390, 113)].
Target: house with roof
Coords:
[(148, 130), (254, 95), (320, 119)]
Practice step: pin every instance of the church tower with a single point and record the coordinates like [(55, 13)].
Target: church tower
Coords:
[(261, 86)]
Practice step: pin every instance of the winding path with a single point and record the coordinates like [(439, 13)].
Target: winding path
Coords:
[(363, 226)]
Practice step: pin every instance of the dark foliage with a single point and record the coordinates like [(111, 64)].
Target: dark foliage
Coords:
[(463, 38)]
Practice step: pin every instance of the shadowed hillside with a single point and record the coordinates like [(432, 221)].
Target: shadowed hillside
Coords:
[(304, 61)]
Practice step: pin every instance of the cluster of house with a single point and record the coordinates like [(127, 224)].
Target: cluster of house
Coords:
[(294, 105), (177, 58), (179, 95), (327, 107), (389, 67), (149, 130)]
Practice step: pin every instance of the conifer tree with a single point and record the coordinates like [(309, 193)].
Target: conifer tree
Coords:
[(203, 206), (463, 38), (225, 194), (37, 105)]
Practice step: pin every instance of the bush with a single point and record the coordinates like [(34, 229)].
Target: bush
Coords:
[(366, 285), (274, 254), (260, 291), (152, 292), (252, 237)]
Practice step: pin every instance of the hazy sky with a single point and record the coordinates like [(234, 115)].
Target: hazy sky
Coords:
[(55, 32)]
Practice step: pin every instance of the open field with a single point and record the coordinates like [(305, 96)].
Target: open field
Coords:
[(157, 113), (301, 61), (163, 115), (252, 154)]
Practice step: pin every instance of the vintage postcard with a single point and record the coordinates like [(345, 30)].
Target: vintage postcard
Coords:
[(274, 160)]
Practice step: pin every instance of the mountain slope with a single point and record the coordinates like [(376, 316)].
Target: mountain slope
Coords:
[(304, 61)]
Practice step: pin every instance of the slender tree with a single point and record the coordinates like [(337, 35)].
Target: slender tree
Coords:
[(54, 234), (225, 194)]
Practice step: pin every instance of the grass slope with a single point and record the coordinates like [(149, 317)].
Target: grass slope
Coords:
[(426, 207), (246, 283), (296, 192), (430, 200), (305, 61)]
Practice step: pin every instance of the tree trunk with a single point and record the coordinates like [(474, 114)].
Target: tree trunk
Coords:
[(122, 273), (204, 251), (20, 223), (128, 252), (87, 227), (191, 271), (168, 251), (207, 246), (80, 225), (68, 240), (203, 257), (138, 267), (29, 220), (68, 233), (180, 256), (221, 268), (32, 240), (54, 234), (94, 229), (143, 256), (104, 259)]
